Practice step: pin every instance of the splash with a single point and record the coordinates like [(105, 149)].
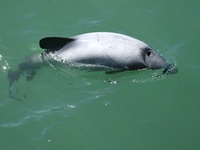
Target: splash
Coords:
[(4, 64)]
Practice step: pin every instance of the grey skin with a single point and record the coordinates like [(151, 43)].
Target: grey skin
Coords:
[(105, 49)]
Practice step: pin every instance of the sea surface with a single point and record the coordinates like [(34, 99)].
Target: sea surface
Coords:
[(72, 109)]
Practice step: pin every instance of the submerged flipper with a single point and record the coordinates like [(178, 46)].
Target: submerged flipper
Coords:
[(52, 44)]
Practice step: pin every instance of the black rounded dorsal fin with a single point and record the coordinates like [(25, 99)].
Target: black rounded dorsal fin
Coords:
[(52, 44)]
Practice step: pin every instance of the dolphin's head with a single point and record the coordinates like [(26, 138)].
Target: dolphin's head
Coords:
[(154, 60)]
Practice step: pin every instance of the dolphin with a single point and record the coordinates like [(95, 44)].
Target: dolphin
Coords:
[(114, 51)]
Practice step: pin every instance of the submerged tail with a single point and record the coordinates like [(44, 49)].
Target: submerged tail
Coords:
[(12, 77), (26, 68)]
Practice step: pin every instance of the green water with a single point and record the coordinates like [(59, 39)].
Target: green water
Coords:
[(72, 109)]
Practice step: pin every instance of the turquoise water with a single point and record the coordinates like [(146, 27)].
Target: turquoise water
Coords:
[(71, 109)]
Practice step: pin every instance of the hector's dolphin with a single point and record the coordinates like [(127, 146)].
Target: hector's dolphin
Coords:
[(110, 50)]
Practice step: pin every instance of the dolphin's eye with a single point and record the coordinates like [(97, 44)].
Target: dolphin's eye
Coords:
[(148, 53)]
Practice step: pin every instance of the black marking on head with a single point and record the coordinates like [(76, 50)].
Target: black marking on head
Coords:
[(147, 51), (52, 44)]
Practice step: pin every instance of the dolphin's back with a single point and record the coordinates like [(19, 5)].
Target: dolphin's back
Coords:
[(102, 48)]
